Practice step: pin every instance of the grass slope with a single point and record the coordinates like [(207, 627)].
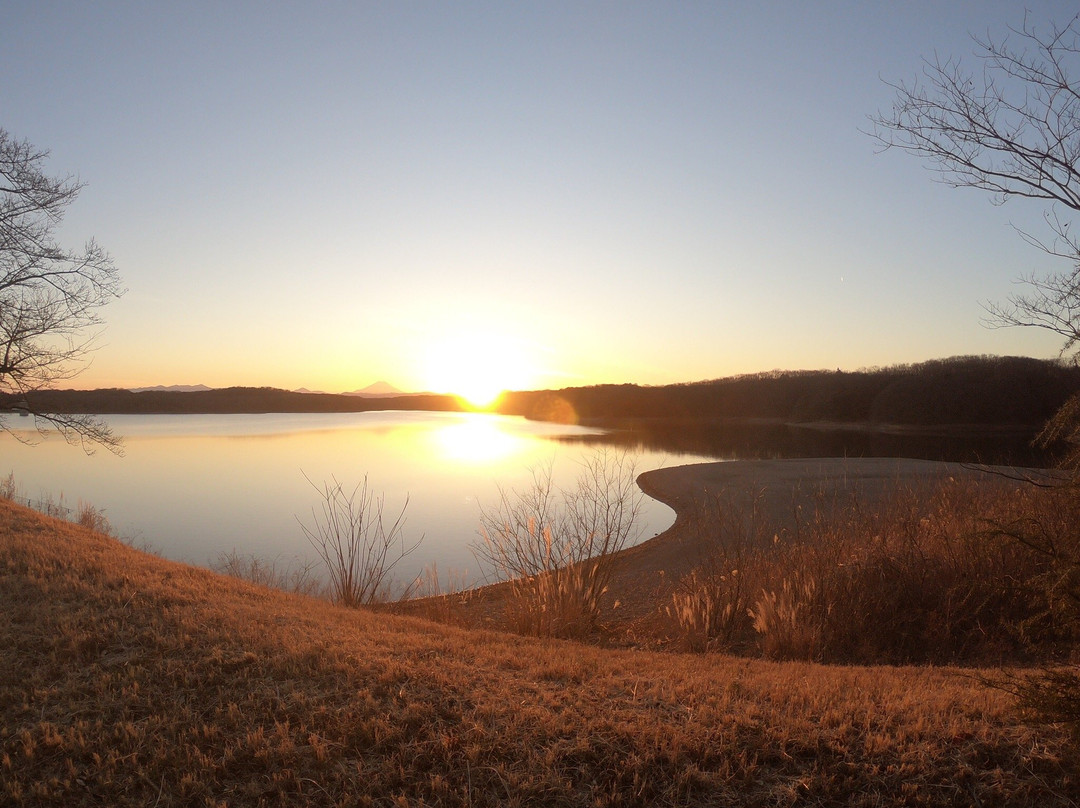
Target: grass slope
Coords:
[(126, 679)]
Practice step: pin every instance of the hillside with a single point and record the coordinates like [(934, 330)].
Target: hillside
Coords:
[(988, 391), (126, 679), (225, 400)]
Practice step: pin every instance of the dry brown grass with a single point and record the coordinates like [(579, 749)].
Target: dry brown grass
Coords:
[(923, 575), (296, 576), (126, 679)]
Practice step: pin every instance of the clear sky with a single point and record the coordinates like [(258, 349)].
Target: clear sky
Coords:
[(520, 194)]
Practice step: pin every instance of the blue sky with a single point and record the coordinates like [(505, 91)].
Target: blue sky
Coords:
[(513, 194)]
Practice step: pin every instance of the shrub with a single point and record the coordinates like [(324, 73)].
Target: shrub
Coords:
[(358, 546), (1051, 694), (93, 518), (1051, 533), (556, 546), (8, 489)]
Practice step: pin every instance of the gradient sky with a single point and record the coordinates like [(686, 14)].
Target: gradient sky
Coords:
[(531, 194)]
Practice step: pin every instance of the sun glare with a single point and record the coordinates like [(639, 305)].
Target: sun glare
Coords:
[(477, 367), (476, 441)]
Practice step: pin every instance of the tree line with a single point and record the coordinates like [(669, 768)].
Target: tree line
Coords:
[(961, 391), (969, 390), (222, 401)]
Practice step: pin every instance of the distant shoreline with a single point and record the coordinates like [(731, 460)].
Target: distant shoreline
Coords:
[(923, 430), (261, 401), (959, 395)]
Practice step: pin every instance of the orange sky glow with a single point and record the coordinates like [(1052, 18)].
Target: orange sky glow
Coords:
[(467, 198)]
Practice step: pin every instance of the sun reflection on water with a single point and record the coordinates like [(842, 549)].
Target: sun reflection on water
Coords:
[(476, 440), (194, 486)]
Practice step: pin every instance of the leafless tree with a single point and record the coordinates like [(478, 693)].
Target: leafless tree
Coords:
[(1010, 128), (358, 546), (50, 296), (1013, 129)]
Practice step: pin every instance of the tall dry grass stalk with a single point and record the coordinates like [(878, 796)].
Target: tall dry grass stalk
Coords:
[(712, 605), (298, 577), (555, 546), (438, 601), (93, 518)]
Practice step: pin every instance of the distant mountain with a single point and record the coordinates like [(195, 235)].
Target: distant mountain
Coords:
[(378, 390), (310, 392), (173, 388)]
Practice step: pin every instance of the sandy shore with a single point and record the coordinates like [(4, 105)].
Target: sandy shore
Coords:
[(777, 489)]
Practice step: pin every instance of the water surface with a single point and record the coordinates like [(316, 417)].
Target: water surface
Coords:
[(195, 486)]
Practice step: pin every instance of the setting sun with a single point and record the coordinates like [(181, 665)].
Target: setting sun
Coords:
[(478, 367)]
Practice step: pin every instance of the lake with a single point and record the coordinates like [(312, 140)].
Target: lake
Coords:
[(194, 486)]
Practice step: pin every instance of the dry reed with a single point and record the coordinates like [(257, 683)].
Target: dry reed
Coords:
[(918, 578)]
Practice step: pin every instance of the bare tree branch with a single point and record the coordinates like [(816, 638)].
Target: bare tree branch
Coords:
[(1011, 129), (50, 297)]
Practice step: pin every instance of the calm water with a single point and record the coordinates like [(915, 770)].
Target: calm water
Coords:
[(194, 486)]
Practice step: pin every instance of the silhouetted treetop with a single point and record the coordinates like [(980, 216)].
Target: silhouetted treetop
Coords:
[(999, 391)]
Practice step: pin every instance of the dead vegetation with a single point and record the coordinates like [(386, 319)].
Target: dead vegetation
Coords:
[(555, 548), (296, 575), (946, 575), (358, 541), (126, 679)]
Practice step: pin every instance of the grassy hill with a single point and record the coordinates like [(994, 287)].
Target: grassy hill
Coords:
[(126, 679)]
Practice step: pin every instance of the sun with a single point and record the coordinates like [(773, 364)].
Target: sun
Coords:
[(478, 367), (479, 392)]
